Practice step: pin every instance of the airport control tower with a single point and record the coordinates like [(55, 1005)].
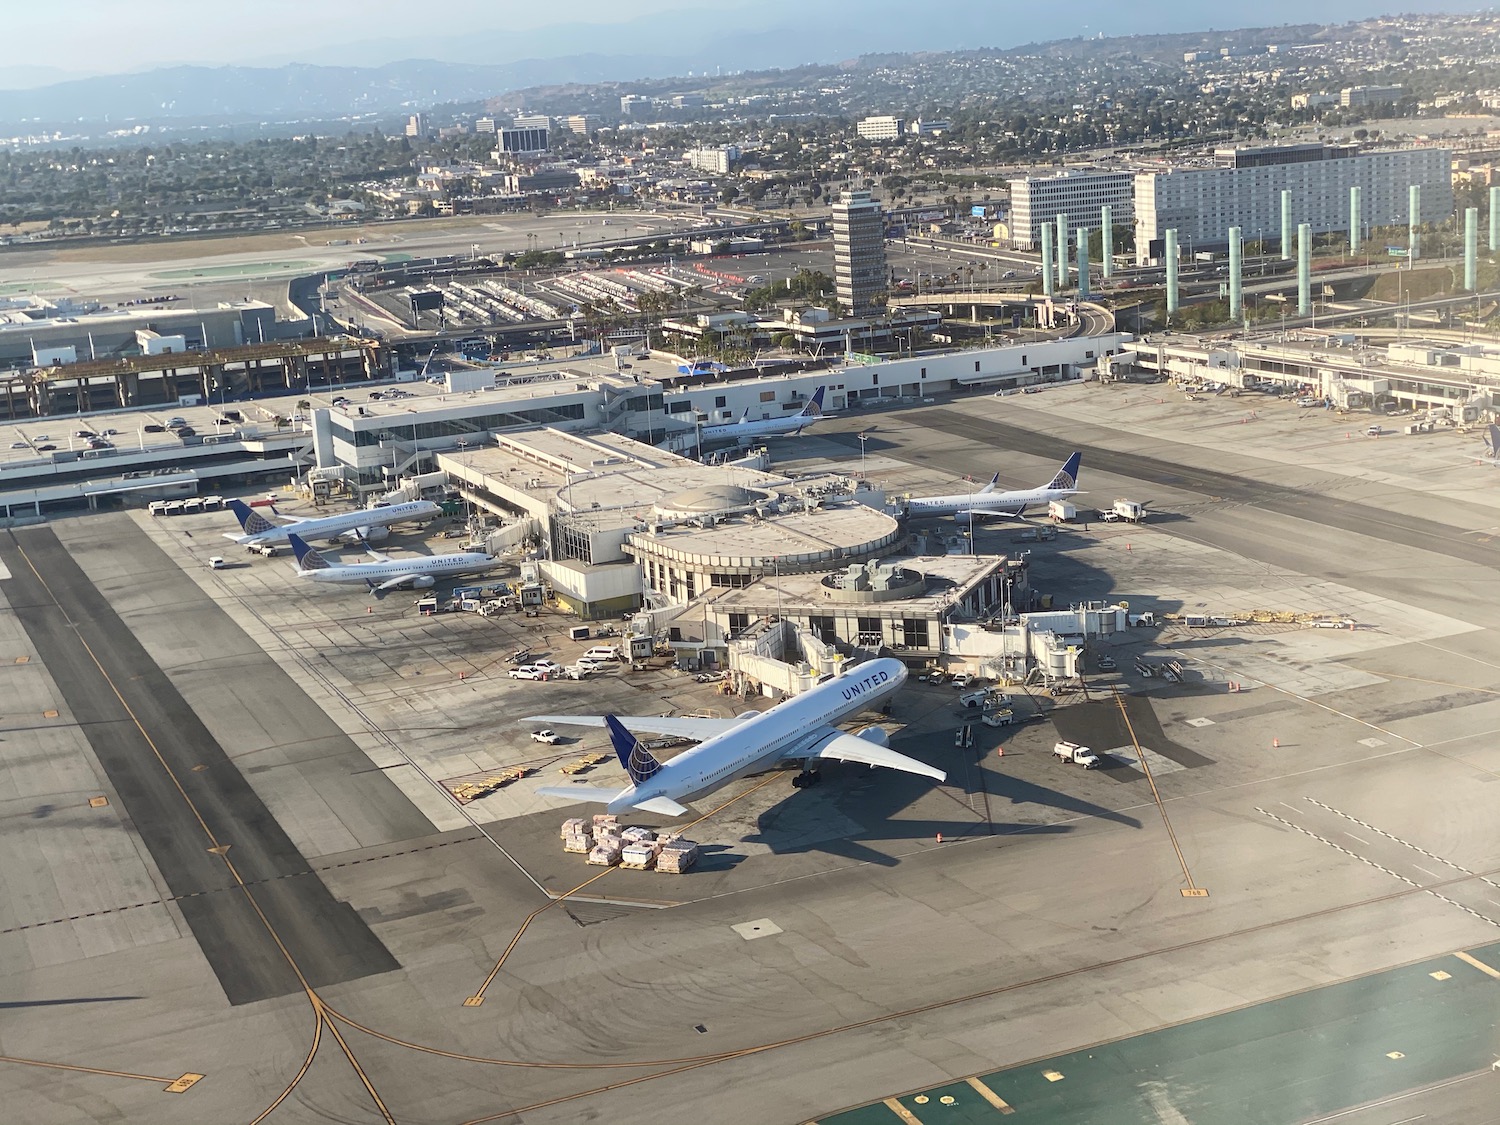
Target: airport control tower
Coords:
[(858, 252)]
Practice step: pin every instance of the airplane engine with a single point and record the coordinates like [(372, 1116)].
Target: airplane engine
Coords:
[(878, 735), (423, 581)]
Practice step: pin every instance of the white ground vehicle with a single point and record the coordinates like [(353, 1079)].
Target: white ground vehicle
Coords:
[(1076, 754), (547, 735), (525, 672)]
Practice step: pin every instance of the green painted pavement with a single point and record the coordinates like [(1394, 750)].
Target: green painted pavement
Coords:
[(1274, 1063)]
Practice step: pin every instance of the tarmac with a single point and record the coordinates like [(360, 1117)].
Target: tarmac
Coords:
[(1332, 821)]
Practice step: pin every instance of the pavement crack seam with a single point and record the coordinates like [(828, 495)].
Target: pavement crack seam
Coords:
[(247, 883)]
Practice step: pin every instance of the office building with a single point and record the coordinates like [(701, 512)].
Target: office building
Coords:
[(1037, 201), (518, 142), (1201, 204), (484, 125), (687, 101), (858, 252), (1313, 101), (416, 125), (1370, 95), (718, 159), (632, 104), (920, 128), (881, 128), (531, 121), (584, 124)]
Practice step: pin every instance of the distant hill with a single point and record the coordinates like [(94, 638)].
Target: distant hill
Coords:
[(196, 93)]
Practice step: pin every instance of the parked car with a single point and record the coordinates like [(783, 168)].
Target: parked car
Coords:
[(961, 680), (216, 563), (546, 665), (525, 672), (153, 428), (547, 735)]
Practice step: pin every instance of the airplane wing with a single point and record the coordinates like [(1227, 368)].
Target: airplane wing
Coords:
[(852, 748), (987, 513), (394, 583), (662, 806), (372, 552), (580, 793), (697, 729)]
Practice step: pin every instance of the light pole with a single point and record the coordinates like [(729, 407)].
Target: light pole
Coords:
[(863, 437)]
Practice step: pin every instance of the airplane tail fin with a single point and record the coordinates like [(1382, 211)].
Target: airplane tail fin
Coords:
[(637, 760), (307, 558), (814, 407), (1493, 441), (994, 480), (251, 521), (1067, 476)]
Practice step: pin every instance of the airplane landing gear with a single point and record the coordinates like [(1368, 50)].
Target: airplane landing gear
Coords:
[(806, 779)]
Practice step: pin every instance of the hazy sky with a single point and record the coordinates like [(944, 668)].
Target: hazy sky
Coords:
[(108, 36)]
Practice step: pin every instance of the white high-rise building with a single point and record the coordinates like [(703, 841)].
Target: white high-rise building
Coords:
[(881, 128), (718, 159), (1036, 202), (1201, 204)]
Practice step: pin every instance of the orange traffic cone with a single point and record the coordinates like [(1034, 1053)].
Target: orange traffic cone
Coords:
[(940, 837), (1000, 753), (1275, 742)]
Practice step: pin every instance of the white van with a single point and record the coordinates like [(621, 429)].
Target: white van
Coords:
[(602, 652)]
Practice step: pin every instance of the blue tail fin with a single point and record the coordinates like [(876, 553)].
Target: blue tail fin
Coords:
[(251, 521), (1494, 440), (814, 409), (307, 558), (1067, 476), (994, 480), (636, 759)]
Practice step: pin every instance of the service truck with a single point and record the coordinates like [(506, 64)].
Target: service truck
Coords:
[(1076, 754), (1132, 511)]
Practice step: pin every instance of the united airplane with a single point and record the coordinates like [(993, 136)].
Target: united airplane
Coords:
[(385, 573), (799, 729), (257, 529), (747, 429), (988, 502)]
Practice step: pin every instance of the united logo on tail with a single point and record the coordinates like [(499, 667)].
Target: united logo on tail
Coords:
[(307, 558), (252, 521), (637, 760), (1067, 476)]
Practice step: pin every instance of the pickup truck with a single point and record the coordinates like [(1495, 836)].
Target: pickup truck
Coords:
[(1076, 754), (1000, 718)]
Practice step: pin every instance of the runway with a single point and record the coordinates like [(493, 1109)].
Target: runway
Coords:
[(183, 794)]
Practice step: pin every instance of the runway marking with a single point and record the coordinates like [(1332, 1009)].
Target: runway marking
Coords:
[(1468, 959), (1192, 890), (1371, 863), (1406, 844), (1352, 836), (990, 1096), (166, 1083), (902, 1112)]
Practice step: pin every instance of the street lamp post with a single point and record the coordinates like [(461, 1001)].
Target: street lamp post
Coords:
[(863, 437)]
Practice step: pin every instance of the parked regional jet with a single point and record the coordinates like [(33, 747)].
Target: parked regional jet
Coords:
[(797, 729), (385, 573), (257, 529), (746, 429), (987, 502)]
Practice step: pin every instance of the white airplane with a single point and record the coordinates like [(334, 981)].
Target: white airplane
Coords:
[(385, 573), (988, 502), (257, 529), (746, 429), (797, 729)]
